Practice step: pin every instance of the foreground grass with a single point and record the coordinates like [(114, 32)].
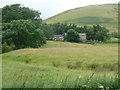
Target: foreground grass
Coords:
[(61, 64)]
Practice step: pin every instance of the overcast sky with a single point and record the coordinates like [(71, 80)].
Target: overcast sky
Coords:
[(50, 8)]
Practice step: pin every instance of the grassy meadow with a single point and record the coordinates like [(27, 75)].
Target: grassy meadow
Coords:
[(62, 65)]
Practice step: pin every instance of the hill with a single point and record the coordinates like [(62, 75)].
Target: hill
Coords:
[(106, 15), (61, 65)]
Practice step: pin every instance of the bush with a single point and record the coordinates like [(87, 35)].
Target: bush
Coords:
[(7, 48)]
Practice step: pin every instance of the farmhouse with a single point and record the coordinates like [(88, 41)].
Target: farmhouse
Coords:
[(82, 36), (58, 37), (61, 37)]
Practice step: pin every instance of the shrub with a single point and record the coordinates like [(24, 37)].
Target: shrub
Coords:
[(7, 48)]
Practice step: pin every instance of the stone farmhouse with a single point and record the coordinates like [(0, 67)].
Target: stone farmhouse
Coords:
[(82, 36), (58, 37), (61, 37)]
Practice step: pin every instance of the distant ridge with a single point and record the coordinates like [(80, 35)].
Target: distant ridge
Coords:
[(105, 15)]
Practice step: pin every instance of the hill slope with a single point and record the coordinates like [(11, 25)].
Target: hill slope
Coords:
[(106, 15)]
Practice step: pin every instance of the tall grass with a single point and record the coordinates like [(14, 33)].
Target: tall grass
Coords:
[(27, 76)]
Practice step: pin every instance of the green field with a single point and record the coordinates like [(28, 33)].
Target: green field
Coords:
[(105, 15), (62, 64)]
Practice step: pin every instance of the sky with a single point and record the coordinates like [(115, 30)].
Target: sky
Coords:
[(50, 8)]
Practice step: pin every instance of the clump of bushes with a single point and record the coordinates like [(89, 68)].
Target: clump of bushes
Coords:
[(7, 48)]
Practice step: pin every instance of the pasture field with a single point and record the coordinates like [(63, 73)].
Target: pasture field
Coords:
[(62, 65)]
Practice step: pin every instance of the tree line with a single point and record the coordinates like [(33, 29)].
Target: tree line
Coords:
[(95, 32), (22, 27)]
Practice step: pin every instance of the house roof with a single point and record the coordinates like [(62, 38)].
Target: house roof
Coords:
[(59, 35), (82, 34)]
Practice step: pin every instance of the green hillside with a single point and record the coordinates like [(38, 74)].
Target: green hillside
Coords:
[(61, 65), (106, 15)]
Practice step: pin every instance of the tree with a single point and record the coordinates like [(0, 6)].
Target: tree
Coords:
[(89, 33), (58, 28), (61, 28), (100, 33), (72, 35), (96, 33), (5, 26), (17, 12), (23, 33), (38, 38), (47, 30)]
